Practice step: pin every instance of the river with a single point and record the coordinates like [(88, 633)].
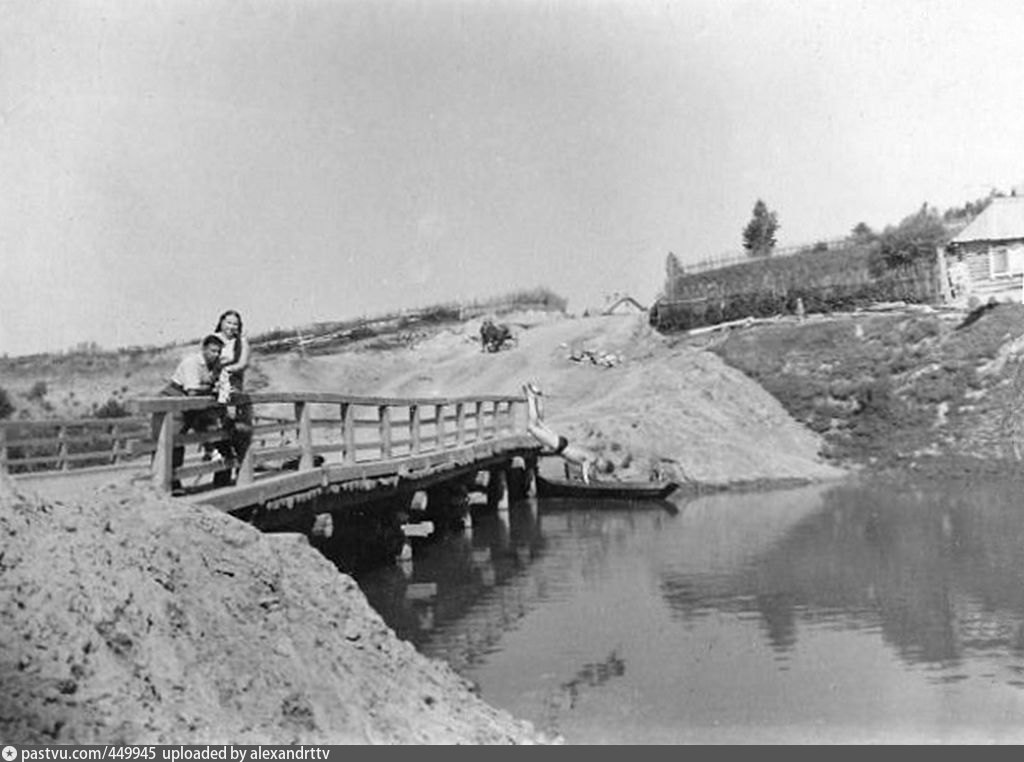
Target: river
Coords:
[(842, 613)]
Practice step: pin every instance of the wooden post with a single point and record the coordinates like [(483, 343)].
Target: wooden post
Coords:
[(439, 425), (3, 448), (497, 489), (112, 430), (384, 416), (414, 429), (163, 458), (460, 423), (530, 478), (479, 420), (62, 447), (348, 431), (245, 468), (305, 435)]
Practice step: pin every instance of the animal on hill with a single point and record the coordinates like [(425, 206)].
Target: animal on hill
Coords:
[(494, 337)]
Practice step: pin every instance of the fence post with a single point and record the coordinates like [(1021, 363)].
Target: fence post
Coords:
[(414, 429), (3, 448), (480, 433), (163, 458), (246, 467), (62, 447), (439, 425), (348, 431), (460, 423), (112, 430), (384, 416), (305, 435)]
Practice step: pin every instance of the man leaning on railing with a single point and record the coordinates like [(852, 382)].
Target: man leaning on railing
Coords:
[(195, 377)]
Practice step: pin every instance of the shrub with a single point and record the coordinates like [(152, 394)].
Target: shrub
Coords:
[(112, 409), (6, 406), (38, 390)]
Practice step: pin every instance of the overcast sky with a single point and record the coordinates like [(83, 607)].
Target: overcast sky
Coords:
[(308, 160)]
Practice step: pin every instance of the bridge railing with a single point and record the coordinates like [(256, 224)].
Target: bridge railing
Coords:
[(69, 444), (295, 430)]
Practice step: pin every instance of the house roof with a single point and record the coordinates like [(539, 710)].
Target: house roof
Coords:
[(625, 300), (1002, 220)]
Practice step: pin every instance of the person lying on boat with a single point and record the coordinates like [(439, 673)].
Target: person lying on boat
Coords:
[(556, 443)]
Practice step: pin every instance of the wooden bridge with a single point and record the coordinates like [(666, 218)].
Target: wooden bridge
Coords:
[(301, 445)]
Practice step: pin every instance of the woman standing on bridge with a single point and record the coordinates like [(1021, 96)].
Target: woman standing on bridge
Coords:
[(234, 357)]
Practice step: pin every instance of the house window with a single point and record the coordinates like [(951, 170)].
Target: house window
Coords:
[(999, 261)]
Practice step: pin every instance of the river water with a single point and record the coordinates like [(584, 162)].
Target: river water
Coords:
[(844, 613)]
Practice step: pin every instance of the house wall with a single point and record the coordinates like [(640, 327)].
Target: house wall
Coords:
[(982, 282)]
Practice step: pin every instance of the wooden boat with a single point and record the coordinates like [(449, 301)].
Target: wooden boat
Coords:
[(604, 490)]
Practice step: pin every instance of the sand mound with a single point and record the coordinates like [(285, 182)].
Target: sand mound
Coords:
[(126, 617), (612, 383)]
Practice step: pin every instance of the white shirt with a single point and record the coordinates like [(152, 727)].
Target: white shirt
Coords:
[(192, 374)]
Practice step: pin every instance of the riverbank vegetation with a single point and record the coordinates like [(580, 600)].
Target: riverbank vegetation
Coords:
[(898, 386)]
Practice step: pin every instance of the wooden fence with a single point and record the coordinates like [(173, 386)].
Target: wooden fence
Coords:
[(64, 445)]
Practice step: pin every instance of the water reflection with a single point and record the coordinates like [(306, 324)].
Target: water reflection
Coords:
[(844, 613)]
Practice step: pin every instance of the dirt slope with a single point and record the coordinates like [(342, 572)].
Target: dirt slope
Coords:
[(126, 617), (650, 407)]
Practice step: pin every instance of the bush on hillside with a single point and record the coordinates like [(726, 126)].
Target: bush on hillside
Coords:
[(38, 391), (112, 409), (6, 406), (915, 238)]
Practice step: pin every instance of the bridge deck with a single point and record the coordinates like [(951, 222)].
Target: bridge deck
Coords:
[(363, 482)]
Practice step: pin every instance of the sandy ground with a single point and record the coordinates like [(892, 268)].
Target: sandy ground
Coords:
[(129, 617), (651, 408)]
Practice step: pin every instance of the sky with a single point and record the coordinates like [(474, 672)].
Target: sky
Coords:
[(313, 160)]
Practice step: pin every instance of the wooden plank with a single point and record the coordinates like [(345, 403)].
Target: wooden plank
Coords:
[(163, 464), (203, 467), (62, 448), (332, 398), (305, 435), (100, 438), (348, 431), (414, 428), (262, 490), (460, 423), (384, 413), (439, 425), (126, 424), (202, 437)]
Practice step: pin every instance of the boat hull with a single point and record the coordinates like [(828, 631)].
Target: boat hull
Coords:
[(609, 490)]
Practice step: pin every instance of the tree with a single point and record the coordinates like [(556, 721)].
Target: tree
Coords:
[(916, 236), (759, 234), (673, 272), (6, 406), (862, 233)]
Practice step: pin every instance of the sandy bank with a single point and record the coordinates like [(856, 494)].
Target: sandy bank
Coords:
[(126, 617)]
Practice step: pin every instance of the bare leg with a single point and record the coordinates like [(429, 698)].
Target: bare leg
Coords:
[(549, 439)]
